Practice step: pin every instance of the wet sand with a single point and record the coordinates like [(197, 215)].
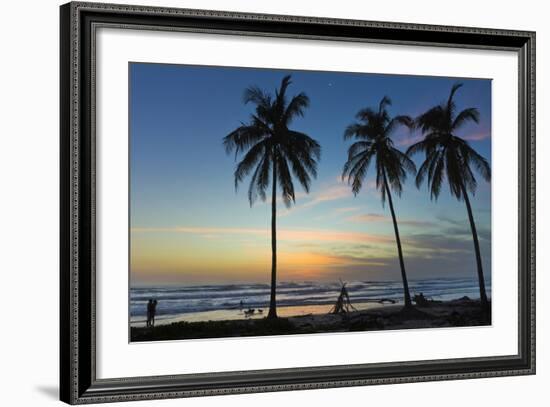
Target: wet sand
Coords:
[(237, 314)]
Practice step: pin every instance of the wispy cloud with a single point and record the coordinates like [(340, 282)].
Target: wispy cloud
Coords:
[(368, 217), (330, 193), (282, 234), (376, 217), (348, 209), (206, 231), (335, 190), (452, 221)]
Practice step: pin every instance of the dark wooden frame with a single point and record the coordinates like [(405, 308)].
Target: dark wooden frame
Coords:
[(78, 382)]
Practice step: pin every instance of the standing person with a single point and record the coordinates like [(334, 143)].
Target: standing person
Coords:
[(153, 311), (149, 312)]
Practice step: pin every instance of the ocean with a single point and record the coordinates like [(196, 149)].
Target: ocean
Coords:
[(213, 301)]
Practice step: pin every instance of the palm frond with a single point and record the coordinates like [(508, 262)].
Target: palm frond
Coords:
[(436, 176), (250, 159), (253, 188), (296, 107), (351, 163), (243, 138), (254, 94), (367, 115), (418, 147), (355, 169), (380, 180), (450, 102), (358, 147), (431, 120), (285, 82), (263, 179), (302, 152), (303, 143), (386, 101), (481, 164), (470, 114), (469, 180), (455, 172), (280, 97), (354, 130), (406, 163), (455, 87), (285, 181), (424, 169), (301, 173)]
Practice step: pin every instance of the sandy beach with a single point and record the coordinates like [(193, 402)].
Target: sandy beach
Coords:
[(368, 317), (239, 314)]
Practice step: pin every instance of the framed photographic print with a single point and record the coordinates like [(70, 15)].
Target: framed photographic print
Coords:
[(257, 203)]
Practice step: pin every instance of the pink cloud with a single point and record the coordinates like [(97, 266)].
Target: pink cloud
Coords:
[(477, 136), (368, 217), (408, 140)]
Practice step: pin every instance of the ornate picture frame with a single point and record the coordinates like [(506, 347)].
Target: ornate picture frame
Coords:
[(79, 382)]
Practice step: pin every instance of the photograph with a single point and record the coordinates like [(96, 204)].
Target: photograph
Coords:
[(276, 201)]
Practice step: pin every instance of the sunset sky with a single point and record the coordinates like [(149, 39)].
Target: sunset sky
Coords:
[(190, 226)]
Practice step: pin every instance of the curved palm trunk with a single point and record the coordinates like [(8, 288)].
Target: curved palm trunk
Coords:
[(272, 301), (482, 292), (406, 292)]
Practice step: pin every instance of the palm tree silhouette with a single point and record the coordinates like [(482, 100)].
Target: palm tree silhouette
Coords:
[(373, 134), (271, 150), (447, 155)]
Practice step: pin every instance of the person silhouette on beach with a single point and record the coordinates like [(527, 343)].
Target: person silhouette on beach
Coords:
[(149, 313), (153, 311)]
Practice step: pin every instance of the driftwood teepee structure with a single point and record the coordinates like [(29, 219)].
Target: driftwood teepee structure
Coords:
[(343, 303)]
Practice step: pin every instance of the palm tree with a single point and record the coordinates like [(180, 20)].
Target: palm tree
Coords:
[(271, 150), (447, 155), (373, 134)]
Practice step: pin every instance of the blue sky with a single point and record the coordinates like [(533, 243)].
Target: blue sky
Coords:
[(189, 225)]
